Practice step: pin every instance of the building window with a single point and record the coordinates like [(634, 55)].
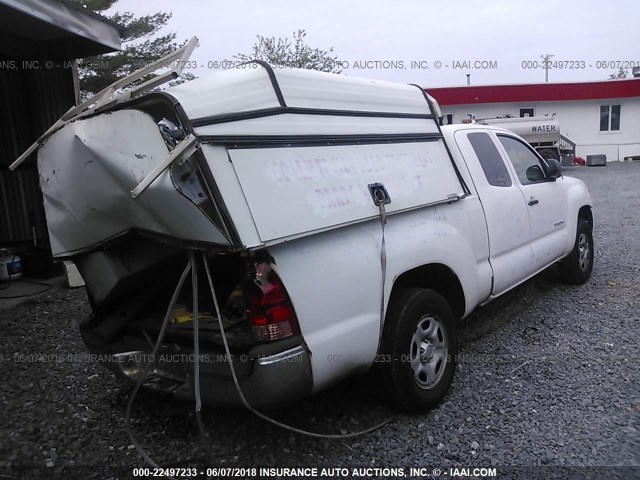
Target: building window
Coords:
[(609, 118), (447, 119), (492, 164), (526, 112)]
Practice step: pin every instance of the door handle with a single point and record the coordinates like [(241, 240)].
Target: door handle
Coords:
[(532, 202)]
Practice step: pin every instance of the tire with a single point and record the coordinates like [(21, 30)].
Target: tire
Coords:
[(548, 153), (419, 323), (575, 269)]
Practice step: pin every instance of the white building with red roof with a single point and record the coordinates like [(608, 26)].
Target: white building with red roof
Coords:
[(599, 117)]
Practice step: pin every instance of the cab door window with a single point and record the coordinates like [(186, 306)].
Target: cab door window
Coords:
[(526, 163), (490, 159)]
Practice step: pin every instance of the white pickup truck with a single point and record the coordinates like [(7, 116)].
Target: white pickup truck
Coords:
[(342, 226)]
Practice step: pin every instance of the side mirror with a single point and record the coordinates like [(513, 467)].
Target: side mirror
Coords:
[(555, 169), (535, 174)]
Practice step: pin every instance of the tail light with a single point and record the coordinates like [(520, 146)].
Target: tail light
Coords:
[(269, 308)]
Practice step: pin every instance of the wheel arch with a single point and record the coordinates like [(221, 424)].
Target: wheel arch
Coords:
[(585, 213), (437, 277)]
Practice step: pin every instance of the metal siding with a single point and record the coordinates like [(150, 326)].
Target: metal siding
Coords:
[(30, 101)]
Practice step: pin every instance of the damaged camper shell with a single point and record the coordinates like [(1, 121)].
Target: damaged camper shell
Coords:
[(343, 227)]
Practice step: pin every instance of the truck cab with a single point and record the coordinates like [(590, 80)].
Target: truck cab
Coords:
[(531, 210)]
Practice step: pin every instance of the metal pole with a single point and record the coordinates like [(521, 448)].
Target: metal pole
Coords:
[(546, 58)]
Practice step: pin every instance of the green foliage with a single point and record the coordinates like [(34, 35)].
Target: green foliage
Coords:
[(280, 52), (141, 46), (96, 5), (139, 27)]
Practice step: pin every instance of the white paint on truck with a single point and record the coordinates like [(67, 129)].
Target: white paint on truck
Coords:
[(314, 188), (287, 158)]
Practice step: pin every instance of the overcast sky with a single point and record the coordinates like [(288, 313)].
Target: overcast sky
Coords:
[(384, 37)]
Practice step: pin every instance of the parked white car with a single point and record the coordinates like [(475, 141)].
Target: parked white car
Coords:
[(343, 226)]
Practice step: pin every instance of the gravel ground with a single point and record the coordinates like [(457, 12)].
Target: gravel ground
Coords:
[(548, 376)]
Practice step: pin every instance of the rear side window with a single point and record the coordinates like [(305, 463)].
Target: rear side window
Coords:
[(492, 164)]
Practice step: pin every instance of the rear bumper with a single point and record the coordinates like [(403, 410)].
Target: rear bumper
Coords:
[(275, 380), (270, 376)]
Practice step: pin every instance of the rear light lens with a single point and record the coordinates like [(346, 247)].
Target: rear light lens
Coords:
[(269, 308)]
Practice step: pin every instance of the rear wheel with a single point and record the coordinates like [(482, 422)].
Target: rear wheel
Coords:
[(420, 347), (548, 153), (576, 268)]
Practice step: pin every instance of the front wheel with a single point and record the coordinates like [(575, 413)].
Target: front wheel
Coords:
[(576, 268), (421, 343)]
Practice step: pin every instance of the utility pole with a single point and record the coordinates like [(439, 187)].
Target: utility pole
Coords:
[(546, 61)]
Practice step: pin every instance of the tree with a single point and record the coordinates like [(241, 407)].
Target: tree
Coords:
[(622, 73), (280, 52), (141, 46)]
